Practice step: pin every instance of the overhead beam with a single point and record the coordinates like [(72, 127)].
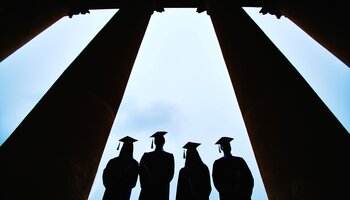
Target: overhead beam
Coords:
[(107, 4)]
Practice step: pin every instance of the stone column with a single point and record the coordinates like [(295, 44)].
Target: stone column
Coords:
[(55, 151), (301, 149), (325, 21), (22, 21)]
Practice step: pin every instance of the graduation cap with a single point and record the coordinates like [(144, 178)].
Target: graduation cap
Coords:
[(158, 134), (126, 140), (190, 145), (223, 140)]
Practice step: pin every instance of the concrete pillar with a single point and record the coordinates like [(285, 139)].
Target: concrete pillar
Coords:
[(301, 148), (22, 21), (325, 21), (55, 151)]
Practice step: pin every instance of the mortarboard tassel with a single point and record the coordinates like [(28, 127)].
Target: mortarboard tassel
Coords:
[(152, 145), (118, 146), (184, 155), (219, 149)]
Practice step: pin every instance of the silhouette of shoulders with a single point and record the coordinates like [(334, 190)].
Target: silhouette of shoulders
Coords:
[(193, 183), (232, 178), (120, 174), (156, 172), (117, 161), (158, 162), (230, 159), (231, 175), (194, 177)]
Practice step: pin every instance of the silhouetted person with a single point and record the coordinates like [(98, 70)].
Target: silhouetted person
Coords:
[(231, 175), (120, 174), (194, 178), (156, 171)]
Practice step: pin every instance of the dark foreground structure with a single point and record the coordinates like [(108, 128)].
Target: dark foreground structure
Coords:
[(302, 150)]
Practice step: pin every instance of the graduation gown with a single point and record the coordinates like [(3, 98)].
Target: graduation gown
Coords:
[(156, 171), (232, 178), (193, 183), (119, 177)]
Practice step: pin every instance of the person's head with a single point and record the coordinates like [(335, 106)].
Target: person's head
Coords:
[(127, 151), (159, 139), (224, 144), (192, 156), (226, 147), (128, 147)]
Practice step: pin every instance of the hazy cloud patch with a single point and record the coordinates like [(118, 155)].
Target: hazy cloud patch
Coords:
[(139, 116)]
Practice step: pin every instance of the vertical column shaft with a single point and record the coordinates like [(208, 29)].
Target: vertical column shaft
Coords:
[(301, 148), (22, 21), (55, 151), (325, 21)]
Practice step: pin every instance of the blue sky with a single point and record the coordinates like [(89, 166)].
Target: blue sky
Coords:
[(179, 83)]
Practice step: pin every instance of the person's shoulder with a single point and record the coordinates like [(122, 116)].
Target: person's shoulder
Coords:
[(167, 153), (135, 161), (115, 159), (169, 156), (146, 154), (219, 160), (155, 154), (227, 160), (238, 158), (162, 153), (203, 167), (182, 170)]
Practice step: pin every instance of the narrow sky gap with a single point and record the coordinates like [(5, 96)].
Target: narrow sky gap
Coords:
[(179, 84)]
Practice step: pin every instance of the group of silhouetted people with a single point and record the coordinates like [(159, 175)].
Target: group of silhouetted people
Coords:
[(231, 175)]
